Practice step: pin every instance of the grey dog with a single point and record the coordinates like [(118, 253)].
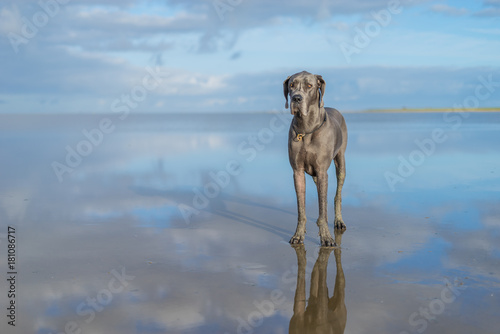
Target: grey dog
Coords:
[(317, 136)]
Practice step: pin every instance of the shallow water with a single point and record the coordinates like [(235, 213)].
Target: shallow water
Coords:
[(180, 224)]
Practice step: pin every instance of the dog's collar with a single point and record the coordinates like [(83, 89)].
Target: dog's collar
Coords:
[(298, 136)]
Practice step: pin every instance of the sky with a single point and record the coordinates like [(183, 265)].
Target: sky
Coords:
[(105, 56)]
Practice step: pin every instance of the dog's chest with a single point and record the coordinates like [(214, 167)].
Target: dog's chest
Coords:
[(308, 156)]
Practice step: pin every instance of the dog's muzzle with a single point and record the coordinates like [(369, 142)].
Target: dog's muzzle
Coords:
[(297, 105)]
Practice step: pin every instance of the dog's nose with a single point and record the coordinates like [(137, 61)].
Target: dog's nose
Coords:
[(297, 98)]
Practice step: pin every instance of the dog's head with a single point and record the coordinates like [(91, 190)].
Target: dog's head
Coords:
[(306, 92)]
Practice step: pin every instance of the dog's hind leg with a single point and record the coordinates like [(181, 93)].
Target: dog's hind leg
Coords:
[(324, 233)]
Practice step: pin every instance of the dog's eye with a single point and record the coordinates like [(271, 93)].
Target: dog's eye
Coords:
[(309, 86), (291, 85)]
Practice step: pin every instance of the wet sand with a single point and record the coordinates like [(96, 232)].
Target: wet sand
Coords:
[(180, 224)]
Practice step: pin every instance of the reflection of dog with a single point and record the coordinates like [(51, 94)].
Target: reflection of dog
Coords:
[(322, 314), (317, 136)]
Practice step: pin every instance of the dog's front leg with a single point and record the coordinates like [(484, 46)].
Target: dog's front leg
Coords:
[(324, 233), (340, 170), (299, 180)]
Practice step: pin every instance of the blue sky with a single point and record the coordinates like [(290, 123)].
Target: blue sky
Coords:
[(233, 55)]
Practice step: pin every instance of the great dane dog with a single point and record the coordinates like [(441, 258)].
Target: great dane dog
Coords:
[(317, 136)]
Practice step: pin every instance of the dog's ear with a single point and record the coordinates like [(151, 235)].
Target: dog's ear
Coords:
[(285, 91), (321, 84)]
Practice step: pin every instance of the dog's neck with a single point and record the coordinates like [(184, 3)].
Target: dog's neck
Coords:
[(309, 123)]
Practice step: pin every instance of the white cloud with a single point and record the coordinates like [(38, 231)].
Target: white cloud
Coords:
[(93, 82), (449, 10), (492, 2), (494, 31), (489, 12), (193, 84), (492, 9), (10, 20), (92, 52)]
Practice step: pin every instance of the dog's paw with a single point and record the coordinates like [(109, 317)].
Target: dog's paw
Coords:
[(325, 236), (339, 224), (327, 241), (297, 239)]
